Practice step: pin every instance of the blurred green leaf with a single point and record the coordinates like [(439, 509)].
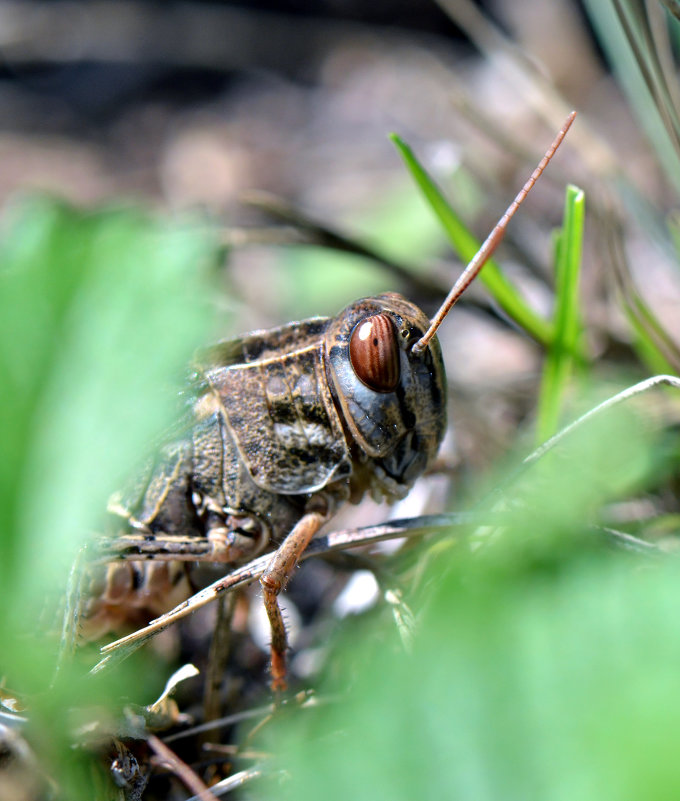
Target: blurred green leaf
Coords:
[(646, 346), (654, 344), (515, 691), (99, 315), (545, 665)]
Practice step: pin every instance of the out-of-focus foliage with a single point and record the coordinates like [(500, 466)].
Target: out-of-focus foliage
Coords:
[(559, 685), (636, 38), (544, 665), (544, 662), (99, 315)]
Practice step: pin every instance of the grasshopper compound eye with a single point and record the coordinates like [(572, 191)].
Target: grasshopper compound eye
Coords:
[(374, 353)]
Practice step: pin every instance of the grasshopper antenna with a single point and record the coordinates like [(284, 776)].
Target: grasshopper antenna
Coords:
[(491, 243)]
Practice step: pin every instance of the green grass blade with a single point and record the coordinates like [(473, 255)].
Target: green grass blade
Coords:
[(466, 245), (647, 349), (654, 345), (561, 355), (628, 53), (673, 6)]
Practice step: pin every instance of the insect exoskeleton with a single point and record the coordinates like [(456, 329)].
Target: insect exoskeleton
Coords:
[(289, 423), (392, 403)]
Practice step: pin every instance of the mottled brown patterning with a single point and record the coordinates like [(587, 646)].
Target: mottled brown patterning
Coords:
[(286, 425)]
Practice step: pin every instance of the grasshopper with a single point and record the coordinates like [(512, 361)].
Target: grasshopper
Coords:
[(288, 424)]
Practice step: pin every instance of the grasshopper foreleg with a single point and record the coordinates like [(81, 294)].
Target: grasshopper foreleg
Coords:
[(273, 581)]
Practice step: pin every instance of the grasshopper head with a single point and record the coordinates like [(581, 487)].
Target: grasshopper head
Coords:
[(386, 371), (392, 401)]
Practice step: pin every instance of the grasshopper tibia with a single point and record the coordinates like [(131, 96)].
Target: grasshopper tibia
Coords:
[(274, 579)]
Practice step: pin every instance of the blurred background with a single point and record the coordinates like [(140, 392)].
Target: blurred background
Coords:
[(176, 172), (185, 106)]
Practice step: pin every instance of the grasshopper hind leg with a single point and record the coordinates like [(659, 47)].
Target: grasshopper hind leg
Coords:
[(124, 581)]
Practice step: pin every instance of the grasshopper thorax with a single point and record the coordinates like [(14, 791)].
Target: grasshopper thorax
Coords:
[(392, 402)]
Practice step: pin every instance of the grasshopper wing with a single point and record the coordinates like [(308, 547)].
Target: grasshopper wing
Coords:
[(281, 414)]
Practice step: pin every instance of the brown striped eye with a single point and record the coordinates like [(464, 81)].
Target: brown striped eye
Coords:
[(374, 353)]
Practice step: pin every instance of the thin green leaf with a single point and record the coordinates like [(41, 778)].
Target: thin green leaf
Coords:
[(653, 343), (673, 6), (647, 349), (623, 30), (466, 245), (560, 358)]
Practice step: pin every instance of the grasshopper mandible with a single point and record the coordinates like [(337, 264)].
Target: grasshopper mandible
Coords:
[(288, 424)]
